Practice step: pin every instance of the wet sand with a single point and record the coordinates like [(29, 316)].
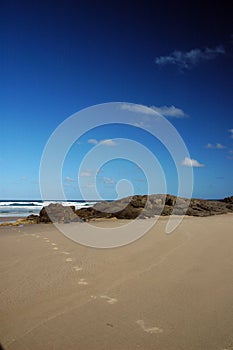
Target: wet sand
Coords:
[(9, 219), (162, 292)]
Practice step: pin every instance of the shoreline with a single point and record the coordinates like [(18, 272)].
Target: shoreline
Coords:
[(18, 221), (10, 218), (5, 220)]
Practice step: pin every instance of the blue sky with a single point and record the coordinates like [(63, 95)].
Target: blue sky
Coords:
[(59, 57)]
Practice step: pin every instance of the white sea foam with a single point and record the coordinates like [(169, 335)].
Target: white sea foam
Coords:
[(25, 208)]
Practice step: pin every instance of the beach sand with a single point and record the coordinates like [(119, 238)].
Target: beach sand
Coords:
[(162, 292)]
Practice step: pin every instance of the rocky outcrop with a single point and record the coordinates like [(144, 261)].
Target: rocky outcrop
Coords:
[(135, 207), (228, 200), (149, 206), (131, 208), (56, 212)]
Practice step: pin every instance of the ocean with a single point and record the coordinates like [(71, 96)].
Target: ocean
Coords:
[(23, 208)]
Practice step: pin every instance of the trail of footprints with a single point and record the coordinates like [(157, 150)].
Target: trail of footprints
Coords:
[(108, 299), (82, 281)]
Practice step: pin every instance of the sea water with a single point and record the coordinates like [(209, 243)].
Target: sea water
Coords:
[(23, 208)]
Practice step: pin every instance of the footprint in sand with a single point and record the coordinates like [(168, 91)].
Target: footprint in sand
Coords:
[(53, 243), (151, 330), (69, 259), (55, 248), (66, 253), (82, 281), (109, 299), (77, 268)]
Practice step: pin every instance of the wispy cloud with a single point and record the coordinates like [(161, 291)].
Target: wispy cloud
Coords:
[(192, 163), (138, 108), (170, 111), (231, 133), (92, 141), (107, 142), (189, 59), (215, 146), (70, 179), (140, 124), (108, 180), (166, 111), (85, 174)]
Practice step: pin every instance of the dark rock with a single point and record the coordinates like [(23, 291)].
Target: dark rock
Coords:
[(133, 207), (129, 212), (34, 219), (228, 200), (149, 206), (56, 212)]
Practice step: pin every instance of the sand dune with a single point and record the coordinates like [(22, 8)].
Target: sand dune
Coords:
[(165, 292)]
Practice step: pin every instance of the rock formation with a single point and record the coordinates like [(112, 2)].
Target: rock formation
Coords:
[(131, 208), (56, 212), (160, 204)]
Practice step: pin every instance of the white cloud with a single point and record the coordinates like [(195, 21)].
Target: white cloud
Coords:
[(189, 59), (108, 180), (70, 179), (166, 111), (107, 142), (85, 174), (140, 124), (92, 141), (138, 108), (192, 163), (170, 111), (215, 146), (231, 133)]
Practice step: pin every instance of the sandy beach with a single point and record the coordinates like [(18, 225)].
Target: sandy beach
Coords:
[(162, 292)]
